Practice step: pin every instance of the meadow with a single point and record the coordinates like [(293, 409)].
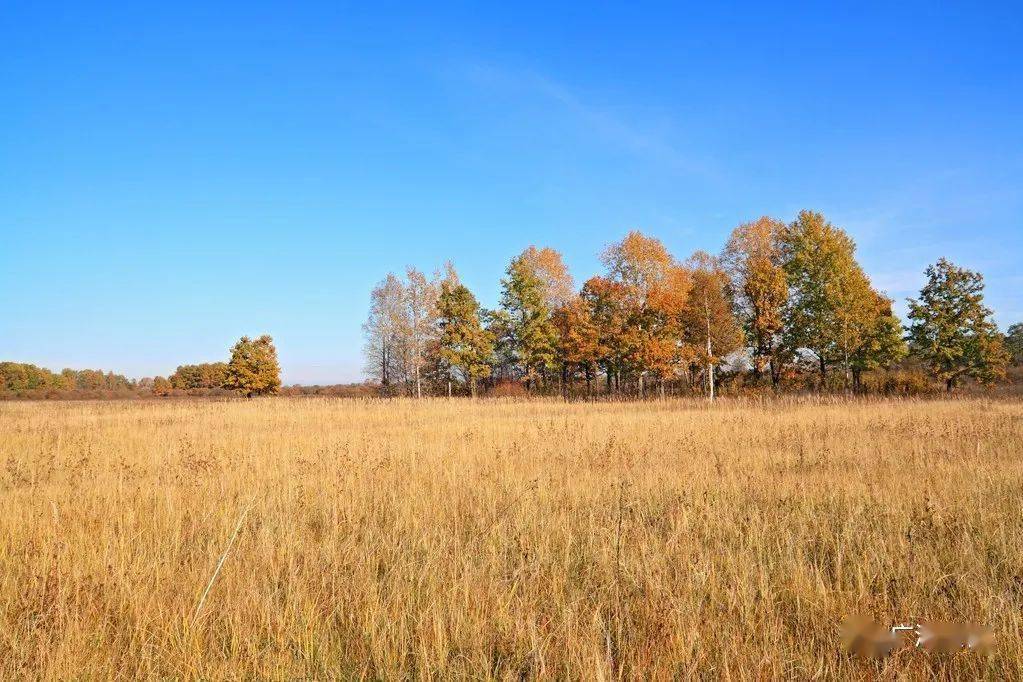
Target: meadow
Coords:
[(504, 539)]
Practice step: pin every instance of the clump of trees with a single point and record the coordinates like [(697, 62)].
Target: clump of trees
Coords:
[(204, 376), (253, 369), (782, 305), (29, 381)]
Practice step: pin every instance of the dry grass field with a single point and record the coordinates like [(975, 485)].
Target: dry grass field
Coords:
[(386, 540)]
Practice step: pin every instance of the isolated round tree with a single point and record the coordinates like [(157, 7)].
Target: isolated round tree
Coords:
[(253, 369)]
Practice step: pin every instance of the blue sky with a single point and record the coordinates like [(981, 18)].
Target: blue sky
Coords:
[(174, 176)]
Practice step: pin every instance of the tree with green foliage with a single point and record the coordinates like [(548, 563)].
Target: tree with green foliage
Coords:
[(880, 344), (26, 379), (465, 346), (533, 334), (1014, 343), (952, 331), (253, 369), (832, 310)]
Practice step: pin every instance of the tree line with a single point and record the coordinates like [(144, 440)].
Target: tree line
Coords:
[(252, 370), (782, 305), (17, 378)]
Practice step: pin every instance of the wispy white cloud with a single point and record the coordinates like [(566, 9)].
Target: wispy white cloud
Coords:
[(601, 123)]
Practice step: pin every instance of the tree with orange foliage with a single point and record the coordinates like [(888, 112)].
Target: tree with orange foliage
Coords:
[(753, 259), (578, 342), (711, 329), (664, 324), (638, 262), (610, 312), (654, 289), (549, 267)]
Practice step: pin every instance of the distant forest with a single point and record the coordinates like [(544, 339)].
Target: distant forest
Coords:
[(782, 307), (251, 370)]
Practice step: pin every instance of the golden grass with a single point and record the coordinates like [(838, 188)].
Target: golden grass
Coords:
[(503, 539)]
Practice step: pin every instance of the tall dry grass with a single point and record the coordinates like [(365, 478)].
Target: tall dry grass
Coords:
[(503, 539)]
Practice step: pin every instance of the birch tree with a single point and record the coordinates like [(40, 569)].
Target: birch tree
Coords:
[(419, 326), (383, 350), (711, 328)]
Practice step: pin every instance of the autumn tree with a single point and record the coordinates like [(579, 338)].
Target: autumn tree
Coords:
[(527, 319), (638, 262), (711, 329), (465, 346), (753, 259), (610, 312), (649, 289), (951, 329), (253, 369), (549, 267), (661, 350), (579, 348), (204, 376), (18, 377), (162, 386)]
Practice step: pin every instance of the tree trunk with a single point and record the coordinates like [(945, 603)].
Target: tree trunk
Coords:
[(950, 383), (472, 386), (419, 384), (710, 351)]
